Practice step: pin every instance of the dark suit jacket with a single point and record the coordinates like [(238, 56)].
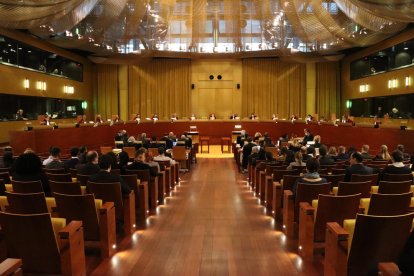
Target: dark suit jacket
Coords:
[(88, 169), (395, 170), (55, 165), (366, 156), (247, 150), (71, 163), (168, 142), (106, 177), (357, 169), (342, 156), (307, 138), (142, 166)]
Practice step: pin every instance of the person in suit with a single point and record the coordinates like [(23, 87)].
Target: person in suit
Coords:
[(356, 167), (74, 159), (28, 167), (55, 163), (253, 116), (212, 116), (168, 142), (45, 121), (401, 148), (144, 140), (342, 155), (364, 152), (241, 138), (397, 167), (91, 166), (234, 116), (247, 150), (123, 161), (104, 175), (139, 163), (324, 159), (122, 135), (308, 136), (311, 176), (174, 117)]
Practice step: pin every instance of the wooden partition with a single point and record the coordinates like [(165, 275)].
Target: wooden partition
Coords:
[(41, 139)]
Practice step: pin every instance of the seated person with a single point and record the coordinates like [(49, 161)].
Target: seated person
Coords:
[(193, 117), (308, 137), (293, 117), (324, 159), (364, 152), (46, 120), (116, 119), (253, 116), (19, 115), (298, 161), (397, 167), (7, 160), (153, 143), (174, 117), (384, 154), (139, 163), (74, 159), (234, 116), (162, 157), (105, 176), (149, 159), (356, 167), (154, 117), (275, 117), (122, 135), (401, 148), (342, 155), (55, 163), (81, 120), (309, 118), (98, 119), (137, 118), (311, 176), (28, 167), (317, 140), (212, 116), (91, 166)]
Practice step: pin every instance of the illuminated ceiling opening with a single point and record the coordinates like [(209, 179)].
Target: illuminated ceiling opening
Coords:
[(108, 27)]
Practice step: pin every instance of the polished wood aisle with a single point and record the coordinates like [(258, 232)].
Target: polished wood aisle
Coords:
[(212, 225)]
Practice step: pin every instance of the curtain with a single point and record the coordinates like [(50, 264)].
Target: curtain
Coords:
[(160, 87), (327, 89), (107, 90), (273, 87)]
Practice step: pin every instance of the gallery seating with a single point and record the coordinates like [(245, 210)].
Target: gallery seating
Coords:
[(45, 245), (124, 206), (358, 247), (98, 220)]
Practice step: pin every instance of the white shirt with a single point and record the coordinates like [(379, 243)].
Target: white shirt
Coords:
[(164, 158), (47, 161)]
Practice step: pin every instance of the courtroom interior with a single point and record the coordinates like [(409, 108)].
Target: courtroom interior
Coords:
[(206, 137)]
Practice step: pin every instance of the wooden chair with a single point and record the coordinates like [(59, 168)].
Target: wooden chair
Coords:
[(131, 152), (300, 169), (55, 171), (313, 219), (388, 187), (153, 151), (98, 221), (304, 193), (124, 206), (278, 190), (2, 188), (338, 171), (333, 178), (105, 150), (329, 168), (387, 204), (67, 177), (27, 186), (365, 177), (358, 247), (340, 164), (3, 170), (10, 267), (43, 247), (165, 166), (73, 172), (5, 176), (378, 167), (67, 188), (27, 203), (352, 188), (181, 156), (144, 176), (83, 179), (397, 177), (388, 269), (141, 195)]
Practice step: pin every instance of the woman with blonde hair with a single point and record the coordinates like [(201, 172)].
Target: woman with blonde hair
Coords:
[(298, 161), (332, 152), (384, 154)]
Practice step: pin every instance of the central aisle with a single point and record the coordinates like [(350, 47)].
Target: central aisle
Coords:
[(212, 225)]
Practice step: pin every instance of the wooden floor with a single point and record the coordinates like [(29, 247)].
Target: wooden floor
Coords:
[(211, 225)]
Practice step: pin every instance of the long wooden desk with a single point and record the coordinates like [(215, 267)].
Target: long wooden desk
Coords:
[(65, 137)]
